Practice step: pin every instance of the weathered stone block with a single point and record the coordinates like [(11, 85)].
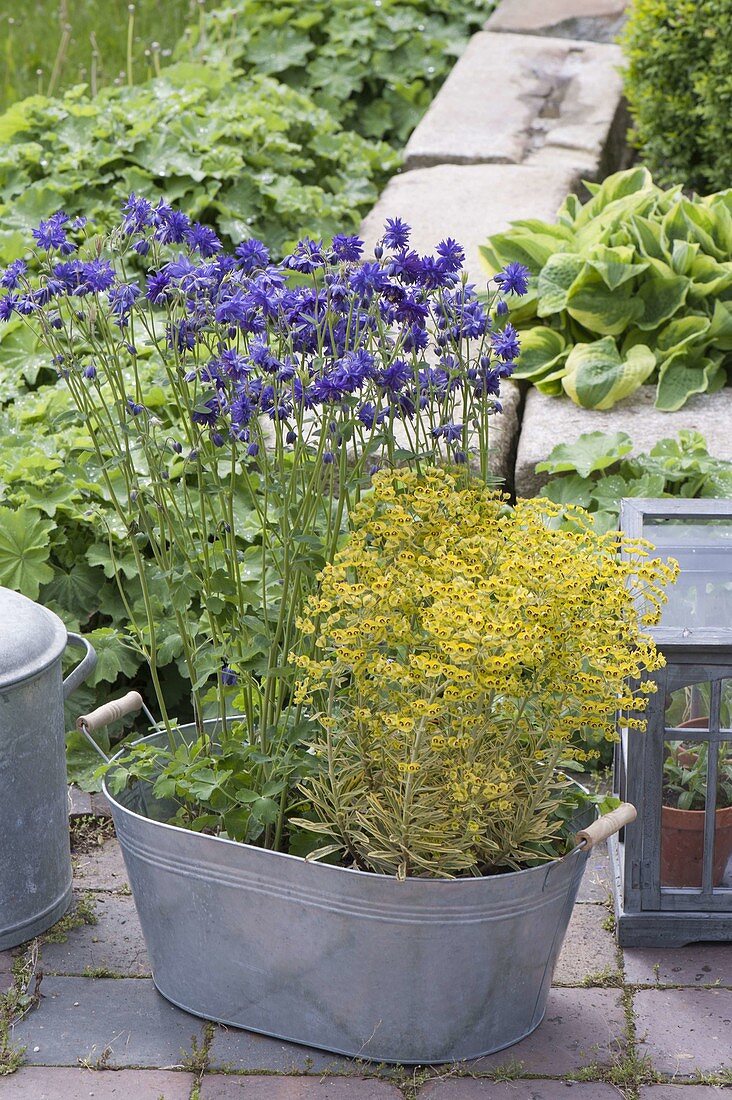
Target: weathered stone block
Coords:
[(235, 1049), (475, 1088), (595, 885), (595, 20), (548, 421), (589, 950), (581, 1026), (469, 203), (696, 964), (253, 1087), (503, 438), (685, 1031), (103, 869), (108, 1022), (567, 98), (112, 946), (58, 1083)]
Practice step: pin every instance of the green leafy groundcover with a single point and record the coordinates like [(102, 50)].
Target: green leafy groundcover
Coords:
[(678, 82), (250, 156), (634, 286), (598, 470), (372, 64)]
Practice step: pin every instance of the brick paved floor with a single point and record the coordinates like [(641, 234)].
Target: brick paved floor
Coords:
[(649, 1025)]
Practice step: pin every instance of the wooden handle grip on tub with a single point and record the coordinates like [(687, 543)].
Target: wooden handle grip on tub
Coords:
[(110, 712), (606, 825)]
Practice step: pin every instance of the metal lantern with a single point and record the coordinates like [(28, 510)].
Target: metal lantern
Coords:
[(673, 866)]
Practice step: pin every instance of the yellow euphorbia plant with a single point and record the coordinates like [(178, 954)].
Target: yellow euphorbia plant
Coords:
[(462, 643)]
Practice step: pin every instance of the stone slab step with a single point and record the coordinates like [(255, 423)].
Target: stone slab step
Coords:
[(548, 421), (595, 20), (511, 96), (469, 203)]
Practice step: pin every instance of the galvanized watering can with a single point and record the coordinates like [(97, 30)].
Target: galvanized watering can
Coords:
[(419, 971), (35, 861)]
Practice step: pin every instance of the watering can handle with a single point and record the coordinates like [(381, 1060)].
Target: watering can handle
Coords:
[(78, 675), (606, 825)]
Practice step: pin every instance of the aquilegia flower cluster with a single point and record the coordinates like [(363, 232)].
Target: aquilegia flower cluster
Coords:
[(325, 346), (238, 407)]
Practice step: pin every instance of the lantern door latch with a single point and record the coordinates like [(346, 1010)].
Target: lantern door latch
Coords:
[(641, 875)]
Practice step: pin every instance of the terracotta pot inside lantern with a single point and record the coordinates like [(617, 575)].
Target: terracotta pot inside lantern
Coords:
[(682, 836)]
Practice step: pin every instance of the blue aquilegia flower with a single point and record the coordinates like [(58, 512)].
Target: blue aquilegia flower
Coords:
[(514, 279), (323, 353)]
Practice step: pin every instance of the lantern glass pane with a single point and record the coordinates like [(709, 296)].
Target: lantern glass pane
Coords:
[(688, 707), (702, 596), (723, 828), (682, 813)]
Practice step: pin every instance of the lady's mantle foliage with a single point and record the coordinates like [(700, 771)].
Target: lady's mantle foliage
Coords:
[(373, 65), (251, 157)]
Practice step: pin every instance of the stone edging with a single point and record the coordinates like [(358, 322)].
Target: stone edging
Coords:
[(522, 118)]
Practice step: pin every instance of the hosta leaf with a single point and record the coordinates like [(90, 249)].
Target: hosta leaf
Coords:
[(555, 280), (596, 376), (720, 329), (606, 312), (650, 237), (541, 350), (678, 379), (660, 299), (615, 187), (680, 332), (551, 384), (591, 452), (709, 277), (682, 256), (616, 265), (518, 247), (25, 548)]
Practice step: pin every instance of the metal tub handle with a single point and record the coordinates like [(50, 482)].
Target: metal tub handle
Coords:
[(78, 675), (97, 719), (605, 826)]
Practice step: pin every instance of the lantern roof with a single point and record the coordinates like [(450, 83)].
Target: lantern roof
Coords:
[(698, 535)]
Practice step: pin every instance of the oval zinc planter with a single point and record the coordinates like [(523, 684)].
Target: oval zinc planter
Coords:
[(415, 971)]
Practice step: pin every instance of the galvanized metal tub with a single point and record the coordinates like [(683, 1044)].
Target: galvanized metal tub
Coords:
[(420, 971), (35, 860)]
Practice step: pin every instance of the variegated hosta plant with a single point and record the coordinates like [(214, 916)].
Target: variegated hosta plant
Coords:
[(461, 645)]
